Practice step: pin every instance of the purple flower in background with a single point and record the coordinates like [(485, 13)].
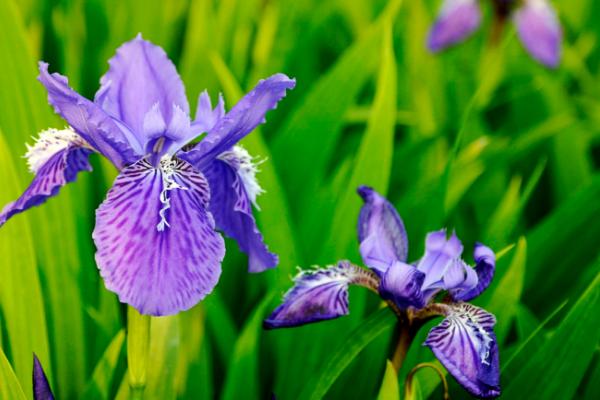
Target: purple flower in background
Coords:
[(41, 387), (157, 247), (536, 21), (464, 341)]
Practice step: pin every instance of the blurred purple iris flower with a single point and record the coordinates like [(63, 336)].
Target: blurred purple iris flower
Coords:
[(157, 247), (41, 387), (464, 341), (536, 21)]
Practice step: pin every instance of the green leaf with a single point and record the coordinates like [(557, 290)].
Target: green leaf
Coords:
[(21, 300), (346, 351), (100, 384), (389, 387), (243, 371), (10, 389), (372, 164), (314, 128), (556, 370)]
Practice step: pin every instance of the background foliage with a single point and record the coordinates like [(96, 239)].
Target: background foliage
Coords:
[(480, 139)]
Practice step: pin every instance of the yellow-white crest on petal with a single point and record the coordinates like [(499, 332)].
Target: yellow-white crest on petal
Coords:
[(246, 166), (168, 168), (48, 143)]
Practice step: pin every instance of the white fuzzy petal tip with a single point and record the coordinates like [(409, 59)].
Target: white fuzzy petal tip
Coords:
[(246, 166), (48, 143)]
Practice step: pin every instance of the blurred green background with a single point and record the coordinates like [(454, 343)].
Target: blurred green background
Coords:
[(480, 139)]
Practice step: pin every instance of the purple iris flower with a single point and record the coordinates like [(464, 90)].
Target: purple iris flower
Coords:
[(464, 341), (536, 21), (157, 247), (41, 387)]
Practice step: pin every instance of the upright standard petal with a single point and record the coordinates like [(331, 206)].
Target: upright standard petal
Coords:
[(456, 21), (206, 116), (485, 266), (233, 186), (440, 254), (157, 248), (381, 232), (246, 115), (318, 295), (540, 32), (465, 344), (141, 75), (56, 158), (95, 126), (402, 283), (41, 387)]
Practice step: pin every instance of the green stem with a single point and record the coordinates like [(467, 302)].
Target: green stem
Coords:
[(404, 340), (138, 341)]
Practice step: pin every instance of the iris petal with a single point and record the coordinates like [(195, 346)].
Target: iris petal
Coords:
[(41, 387), (485, 265), (104, 134), (456, 21), (440, 254), (316, 296), (157, 248), (540, 32), (140, 76), (231, 205), (465, 344), (381, 232), (402, 283), (246, 115), (206, 116), (56, 159)]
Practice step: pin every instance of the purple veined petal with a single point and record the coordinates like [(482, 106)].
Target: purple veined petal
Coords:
[(246, 115), (233, 190), (485, 266), (540, 31), (56, 158), (141, 75), (440, 254), (206, 116), (41, 387), (466, 345), (96, 127), (381, 232), (317, 295), (457, 20), (157, 247), (402, 283)]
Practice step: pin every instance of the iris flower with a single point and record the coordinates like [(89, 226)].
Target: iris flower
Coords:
[(536, 21), (439, 284), (157, 247)]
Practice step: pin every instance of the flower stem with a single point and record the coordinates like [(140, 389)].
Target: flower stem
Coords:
[(138, 341), (404, 340), (408, 386)]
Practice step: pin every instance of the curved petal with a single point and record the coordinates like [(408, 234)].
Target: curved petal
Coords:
[(246, 115), (97, 128), (455, 23), (485, 266), (41, 387), (55, 159), (233, 189), (157, 248), (402, 283), (540, 32), (140, 76), (206, 116), (317, 296), (440, 254), (381, 232), (465, 344)]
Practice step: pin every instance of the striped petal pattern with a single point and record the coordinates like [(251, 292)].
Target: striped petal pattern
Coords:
[(465, 344), (157, 248)]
